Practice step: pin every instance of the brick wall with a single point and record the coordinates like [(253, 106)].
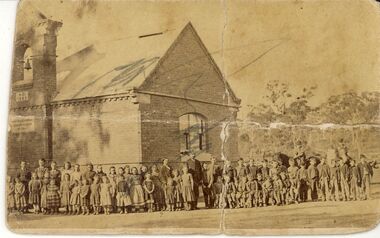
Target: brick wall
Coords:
[(30, 132), (187, 70), (160, 134), (27, 144), (105, 131), (186, 80)]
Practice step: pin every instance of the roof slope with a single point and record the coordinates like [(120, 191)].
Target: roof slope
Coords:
[(110, 67), (136, 62)]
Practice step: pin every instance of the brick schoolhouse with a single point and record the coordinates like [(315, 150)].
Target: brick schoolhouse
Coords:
[(109, 104)]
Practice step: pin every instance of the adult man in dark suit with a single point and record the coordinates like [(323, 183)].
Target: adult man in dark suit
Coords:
[(207, 181), (195, 169), (165, 171)]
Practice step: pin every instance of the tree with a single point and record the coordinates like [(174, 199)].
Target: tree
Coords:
[(281, 106), (350, 108)]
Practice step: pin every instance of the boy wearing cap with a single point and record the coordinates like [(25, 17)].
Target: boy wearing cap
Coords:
[(293, 171), (366, 173), (302, 182), (324, 179), (344, 171), (313, 177), (334, 181), (354, 180)]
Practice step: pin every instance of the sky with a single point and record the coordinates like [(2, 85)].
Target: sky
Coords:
[(331, 44)]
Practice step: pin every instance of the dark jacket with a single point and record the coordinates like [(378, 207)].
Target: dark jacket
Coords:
[(195, 169)]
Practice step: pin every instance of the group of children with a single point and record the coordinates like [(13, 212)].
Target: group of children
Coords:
[(128, 189), (313, 180), (94, 192)]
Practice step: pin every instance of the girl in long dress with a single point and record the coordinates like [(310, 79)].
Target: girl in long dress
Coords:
[(137, 192), (10, 194), (187, 184), (158, 194), (95, 195), (65, 192), (178, 190), (35, 192), (84, 192), (53, 200), (45, 183), (75, 198), (149, 191), (20, 196), (106, 195)]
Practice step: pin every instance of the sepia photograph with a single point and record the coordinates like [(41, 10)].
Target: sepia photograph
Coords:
[(214, 117)]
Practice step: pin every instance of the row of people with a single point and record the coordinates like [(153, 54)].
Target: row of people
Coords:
[(156, 189)]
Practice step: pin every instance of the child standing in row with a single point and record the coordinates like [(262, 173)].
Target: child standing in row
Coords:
[(95, 195), (44, 190), (178, 189), (334, 181), (278, 190), (10, 194), (149, 191), (252, 192), (52, 197), (20, 196), (75, 200), (354, 180), (65, 192), (105, 195), (267, 187), (84, 191), (35, 186), (137, 192), (123, 199), (169, 195), (187, 185)]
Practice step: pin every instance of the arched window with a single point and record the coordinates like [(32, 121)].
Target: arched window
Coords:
[(193, 129), (23, 66), (28, 65)]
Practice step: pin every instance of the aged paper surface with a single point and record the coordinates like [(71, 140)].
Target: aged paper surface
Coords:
[(194, 117)]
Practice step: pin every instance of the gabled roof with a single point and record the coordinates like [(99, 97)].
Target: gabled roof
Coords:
[(189, 28), (117, 67)]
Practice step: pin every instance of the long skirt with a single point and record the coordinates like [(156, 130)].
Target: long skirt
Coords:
[(105, 199), (137, 195), (53, 200), (75, 200), (95, 199), (44, 200), (11, 201), (188, 194), (123, 199), (34, 198), (159, 195), (65, 199), (84, 202)]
